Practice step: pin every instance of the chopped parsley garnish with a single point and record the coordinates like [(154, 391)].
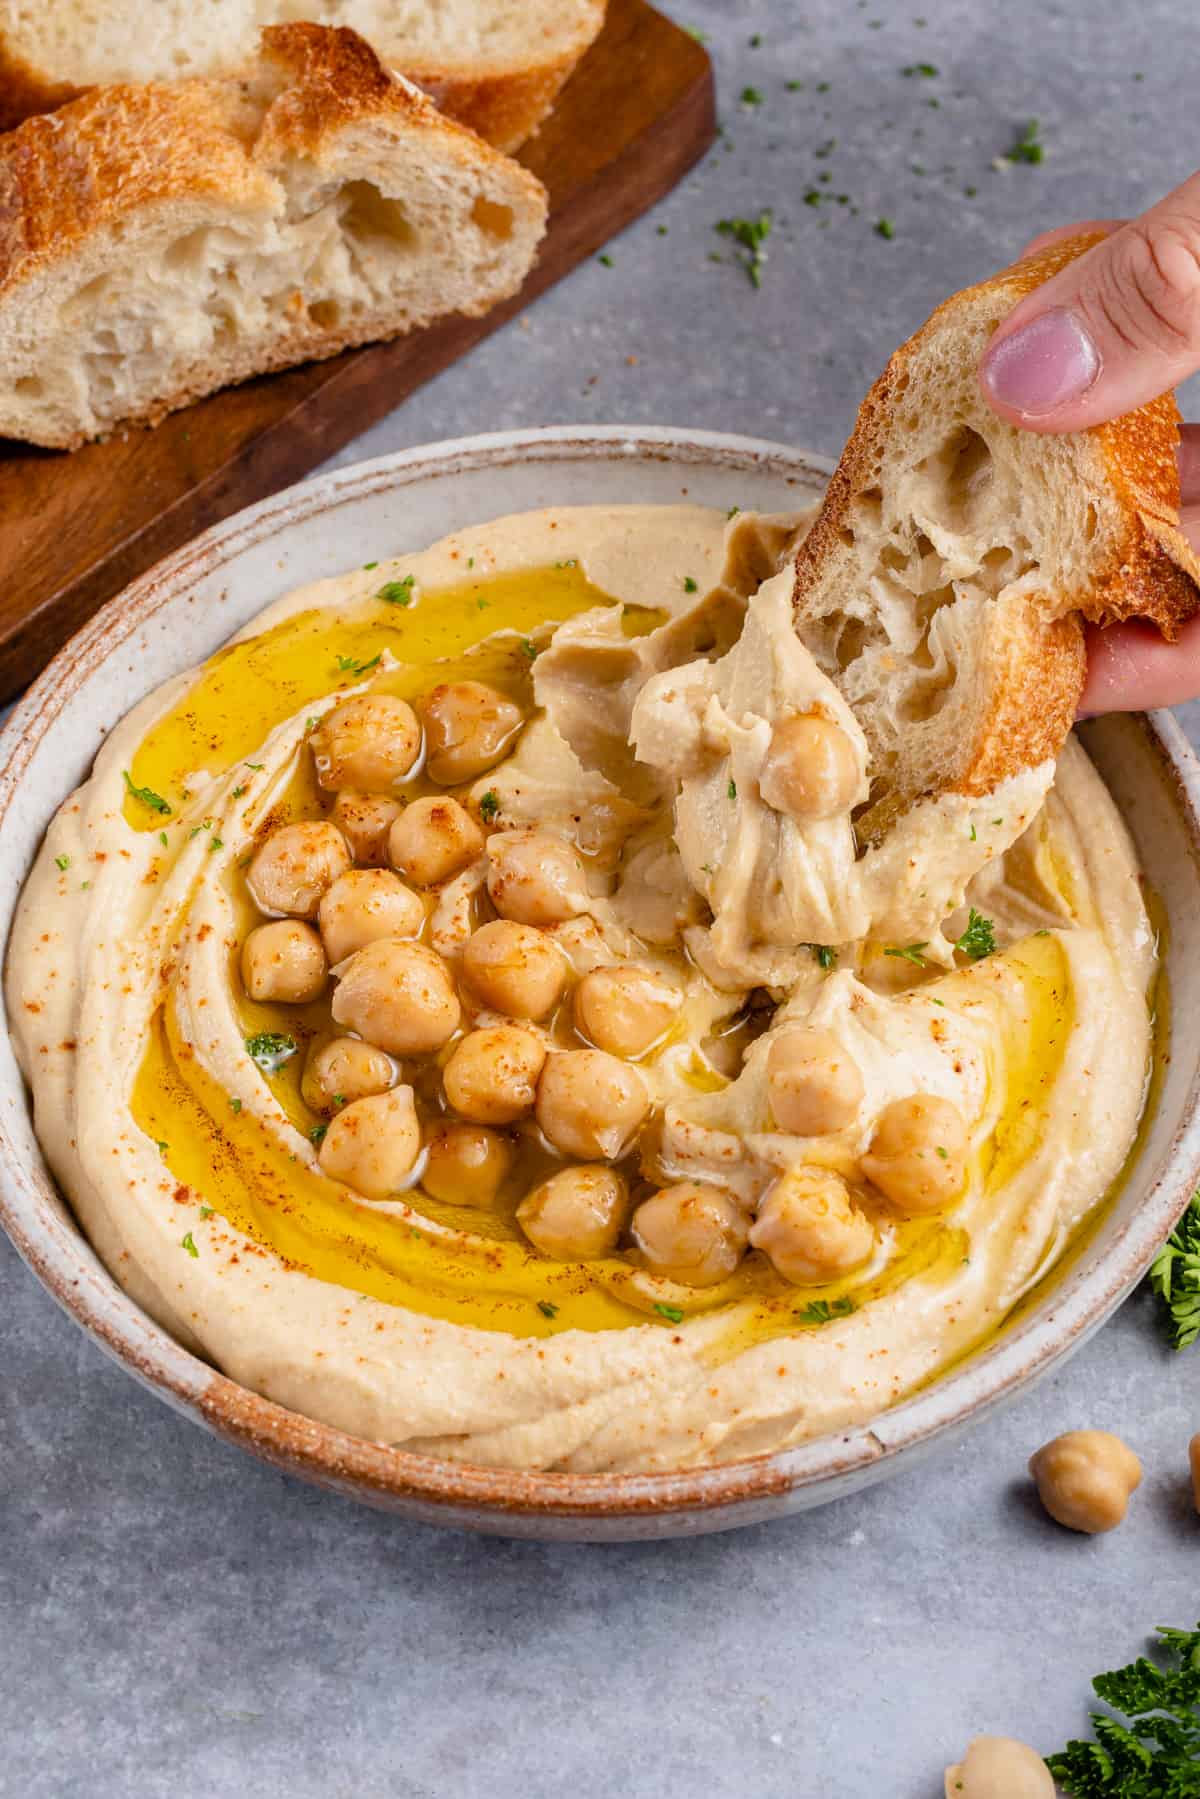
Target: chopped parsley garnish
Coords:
[(63, 862), (752, 96), (920, 68), (606, 260), (911, 952), (885, 228), (482, 604), (731, 790), (206, 1211), (235, 1105), (256, 766), (238, 792), (1152, 1750), (186, 1243), (1027, 147), (339, 1099), (824, 1311), (1175, 1277), (146, 795), (944, 1153), (733, 512), (317, 1133), (794, 87), (310, 724), (751, 234), (271, 1049), (571, 562), (672, 1314), (162, 838), (825, 955), (370, 565), (489, 806), (161, 1145), (974, 835), (397, 593), (216, 844), (347, 663), (547, 1308), (979, 938), (690, 585)]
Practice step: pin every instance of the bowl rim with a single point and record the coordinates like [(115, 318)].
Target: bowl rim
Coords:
[(63, 1260)]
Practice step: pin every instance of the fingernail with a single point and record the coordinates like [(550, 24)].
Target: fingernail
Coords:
[(1048, 362)]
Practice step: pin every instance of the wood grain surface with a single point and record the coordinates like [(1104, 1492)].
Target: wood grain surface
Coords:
[(74, 529)]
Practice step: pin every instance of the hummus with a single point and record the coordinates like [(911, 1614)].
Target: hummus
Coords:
[(981, 975)]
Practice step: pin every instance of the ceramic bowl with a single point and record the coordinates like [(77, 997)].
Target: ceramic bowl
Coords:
[(181, 611)]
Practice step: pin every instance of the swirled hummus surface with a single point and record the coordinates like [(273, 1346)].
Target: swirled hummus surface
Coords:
[(826, 1112)]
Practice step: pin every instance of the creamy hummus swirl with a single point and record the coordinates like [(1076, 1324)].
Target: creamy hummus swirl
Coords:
[(193, 1168)]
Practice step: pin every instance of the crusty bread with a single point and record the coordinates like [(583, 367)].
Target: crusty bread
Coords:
[(495, 65), (158, 242), (943, 582)]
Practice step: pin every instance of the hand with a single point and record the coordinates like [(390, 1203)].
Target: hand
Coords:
[(1112, 330)]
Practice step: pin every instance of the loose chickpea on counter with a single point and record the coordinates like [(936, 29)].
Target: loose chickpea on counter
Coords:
[(468, 727), (432, 840), (999, 1768), (1085, 1478), (370, 742)]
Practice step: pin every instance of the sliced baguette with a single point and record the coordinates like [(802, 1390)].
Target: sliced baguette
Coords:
[(158, 242), (944, 580), (495, 65)]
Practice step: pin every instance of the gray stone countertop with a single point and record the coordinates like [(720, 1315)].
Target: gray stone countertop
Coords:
[(177, 1620)]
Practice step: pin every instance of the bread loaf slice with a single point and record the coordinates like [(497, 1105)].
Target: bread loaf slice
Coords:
[(944, 580), (496, 65), (158, 242)]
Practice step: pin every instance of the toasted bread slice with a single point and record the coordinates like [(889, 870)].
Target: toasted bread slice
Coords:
[(158, 242), (495, 65), (944, 580)]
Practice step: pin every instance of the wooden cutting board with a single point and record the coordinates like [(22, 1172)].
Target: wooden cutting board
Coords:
[(74, 529)]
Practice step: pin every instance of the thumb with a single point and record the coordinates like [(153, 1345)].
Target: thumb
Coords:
[(1115, 328)]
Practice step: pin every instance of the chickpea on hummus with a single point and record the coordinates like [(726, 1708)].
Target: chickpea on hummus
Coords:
[(463, 1012)]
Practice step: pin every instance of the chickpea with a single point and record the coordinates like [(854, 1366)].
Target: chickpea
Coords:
[(814, 1083), (810, 1229), (590, 1105), (1084, 1479), (370, 742), (577, 1214), (284, 961), (691, 1233), (432, 840), (918, 1154), (492, 1075), (468, 727), (373, 1144), (515, 969), (364, 819), (811, 770), (364, 905), (398, 996), (999, 1768), (624, 1010), (295, 866), (343, 1069), (535, 877), (465, 1164)]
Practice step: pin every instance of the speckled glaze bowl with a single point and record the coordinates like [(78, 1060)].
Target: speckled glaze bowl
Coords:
[(183, 610)]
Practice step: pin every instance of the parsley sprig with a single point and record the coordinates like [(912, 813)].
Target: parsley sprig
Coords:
[(909, 952), (824, 1311), (751, 234), (146, 795), (979, 938), (271, 1049), (1175, 1277), (1156, 1753)]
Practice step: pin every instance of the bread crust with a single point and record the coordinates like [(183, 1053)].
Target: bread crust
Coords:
[(1035, 660), (503, 105), (120, 155)]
